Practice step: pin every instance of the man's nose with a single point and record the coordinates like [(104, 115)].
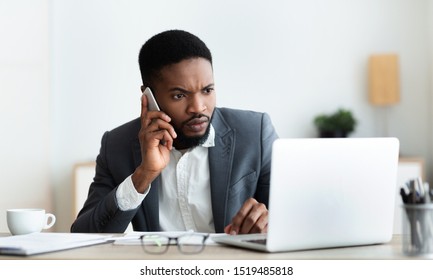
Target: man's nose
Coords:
[(196, 104)]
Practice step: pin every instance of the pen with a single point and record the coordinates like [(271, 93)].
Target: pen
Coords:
[(413, 192)]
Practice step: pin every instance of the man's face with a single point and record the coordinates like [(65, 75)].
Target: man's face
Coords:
[(185, 91)]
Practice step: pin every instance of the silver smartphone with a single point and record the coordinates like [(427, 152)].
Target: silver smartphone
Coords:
[(152, 105)]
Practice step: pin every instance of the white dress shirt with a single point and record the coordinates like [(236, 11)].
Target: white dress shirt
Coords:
[(184, 196)]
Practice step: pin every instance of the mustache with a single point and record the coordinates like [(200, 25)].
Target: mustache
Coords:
[(201, 117)]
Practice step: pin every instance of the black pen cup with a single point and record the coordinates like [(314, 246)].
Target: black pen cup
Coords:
[(418, 229)]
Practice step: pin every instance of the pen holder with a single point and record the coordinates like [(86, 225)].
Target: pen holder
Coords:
[(418, 229)]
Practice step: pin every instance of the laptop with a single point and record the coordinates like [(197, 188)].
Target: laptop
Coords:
[(327, 192)]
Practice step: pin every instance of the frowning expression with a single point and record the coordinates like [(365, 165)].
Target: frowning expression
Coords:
[(186, 92)]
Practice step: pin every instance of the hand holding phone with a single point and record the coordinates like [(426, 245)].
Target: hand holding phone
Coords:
[(152, 105)]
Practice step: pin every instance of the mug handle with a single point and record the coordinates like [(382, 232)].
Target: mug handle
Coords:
[(53, 220)]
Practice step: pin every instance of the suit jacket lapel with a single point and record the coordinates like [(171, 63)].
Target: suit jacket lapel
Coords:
[(220, 166)]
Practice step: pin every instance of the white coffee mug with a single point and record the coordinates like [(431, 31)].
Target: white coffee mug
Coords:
[(26, 220)]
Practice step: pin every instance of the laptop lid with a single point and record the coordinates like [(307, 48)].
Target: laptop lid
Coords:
[(330, 192)]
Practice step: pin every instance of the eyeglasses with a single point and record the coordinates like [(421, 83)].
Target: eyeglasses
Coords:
[(191, 243)]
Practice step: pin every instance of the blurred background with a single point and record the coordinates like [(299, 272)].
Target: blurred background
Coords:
[(69, 72)]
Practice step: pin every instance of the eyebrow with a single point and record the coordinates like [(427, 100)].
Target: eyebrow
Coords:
[(178, 89), (186, 91), (209, 85)]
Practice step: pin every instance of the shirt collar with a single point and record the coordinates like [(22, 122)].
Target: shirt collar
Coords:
[(210, 141)]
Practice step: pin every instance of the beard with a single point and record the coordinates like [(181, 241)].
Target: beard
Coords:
[(186, 142)]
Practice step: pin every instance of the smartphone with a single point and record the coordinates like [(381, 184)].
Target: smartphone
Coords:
[(152, 105)]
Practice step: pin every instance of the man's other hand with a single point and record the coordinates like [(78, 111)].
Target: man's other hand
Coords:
[(251, 218)]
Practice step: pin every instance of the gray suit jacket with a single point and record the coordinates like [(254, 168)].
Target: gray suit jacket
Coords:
[(239, 169)]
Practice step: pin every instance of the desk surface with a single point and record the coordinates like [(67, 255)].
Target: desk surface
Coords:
[(391, 250)]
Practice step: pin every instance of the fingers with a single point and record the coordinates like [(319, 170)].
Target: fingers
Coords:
[(143, 106), (153, 125), (228, 229), (147, 116), (251, 218)]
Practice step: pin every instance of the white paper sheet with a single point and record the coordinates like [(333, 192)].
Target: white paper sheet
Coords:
[(36, 243), (133, 238)]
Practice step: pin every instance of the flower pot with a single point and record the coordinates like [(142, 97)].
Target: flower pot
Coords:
[(332, 134)]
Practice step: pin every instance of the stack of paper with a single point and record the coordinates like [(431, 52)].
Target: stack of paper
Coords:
[(37, 243)]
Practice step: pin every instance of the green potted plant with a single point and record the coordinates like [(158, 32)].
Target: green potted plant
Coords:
[(338, 124)]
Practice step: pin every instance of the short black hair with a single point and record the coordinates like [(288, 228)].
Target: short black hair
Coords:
[(169, 47)]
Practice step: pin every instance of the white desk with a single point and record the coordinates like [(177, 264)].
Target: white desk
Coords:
[(388, 251)]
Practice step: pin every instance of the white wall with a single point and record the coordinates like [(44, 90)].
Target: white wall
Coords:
[(430, 167), (293, 59), (24, 106)]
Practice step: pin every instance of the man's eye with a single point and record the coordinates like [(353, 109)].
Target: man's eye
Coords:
[(208, 90), (179, 96)]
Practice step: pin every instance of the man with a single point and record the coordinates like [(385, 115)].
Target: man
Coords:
[(190, 166)]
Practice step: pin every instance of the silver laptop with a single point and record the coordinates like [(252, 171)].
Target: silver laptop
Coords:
[(328, 192)]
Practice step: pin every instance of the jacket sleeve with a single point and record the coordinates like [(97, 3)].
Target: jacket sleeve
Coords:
[(268, 136), (100, 212)]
